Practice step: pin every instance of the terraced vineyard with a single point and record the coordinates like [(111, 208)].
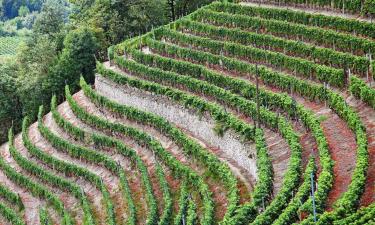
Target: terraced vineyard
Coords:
[(8, 45), (228, 115)]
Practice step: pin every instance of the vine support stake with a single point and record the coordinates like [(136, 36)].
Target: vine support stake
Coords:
[(312, 195), (325, 92), (263, 204), (370, 69), (257, 93)]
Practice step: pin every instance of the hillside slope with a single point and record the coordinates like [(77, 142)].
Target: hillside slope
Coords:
[(226, 115)]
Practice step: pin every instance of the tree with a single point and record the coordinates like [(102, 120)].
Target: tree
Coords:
[(179, 8), (34, 60), (369, 8), (11, 8), (51, 19), (76, 59), (171, 10), (10, 107), (116, 20), (23, 11)]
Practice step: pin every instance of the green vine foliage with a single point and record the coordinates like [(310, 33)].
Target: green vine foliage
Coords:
[(326, 56), (300, 66), (106, 141), (49, 177), (10, 215), (36, 189), (44, 218), (80, 152), (316, 35), (312, 91), (192, 216), (362, 28), (364, 215), (182, 204), (290, 213), (11, 197), (166, 217), (233, 23), (179, 169), (337, 103), (102, 140), (362, 91)]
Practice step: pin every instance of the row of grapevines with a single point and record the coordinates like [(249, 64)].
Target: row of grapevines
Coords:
[(361, 90), (303, 67), (182, 204), (192, 217), (365, 7), (349, 201), (87, 154), (364, 215), (11, 197), (327, 56), (49, 177), (316, 35), (289, 214), (166, 217), (249, 108), (44, 218), (10, 215), (179, 169), (267, 98), (36, 189), (362, 28)]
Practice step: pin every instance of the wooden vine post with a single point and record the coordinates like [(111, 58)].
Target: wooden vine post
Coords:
[(370, 68), (312, 195), (257, 95), (153, 33), (110, 55)]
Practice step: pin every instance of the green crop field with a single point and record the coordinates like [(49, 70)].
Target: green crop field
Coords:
[(8, 45)]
